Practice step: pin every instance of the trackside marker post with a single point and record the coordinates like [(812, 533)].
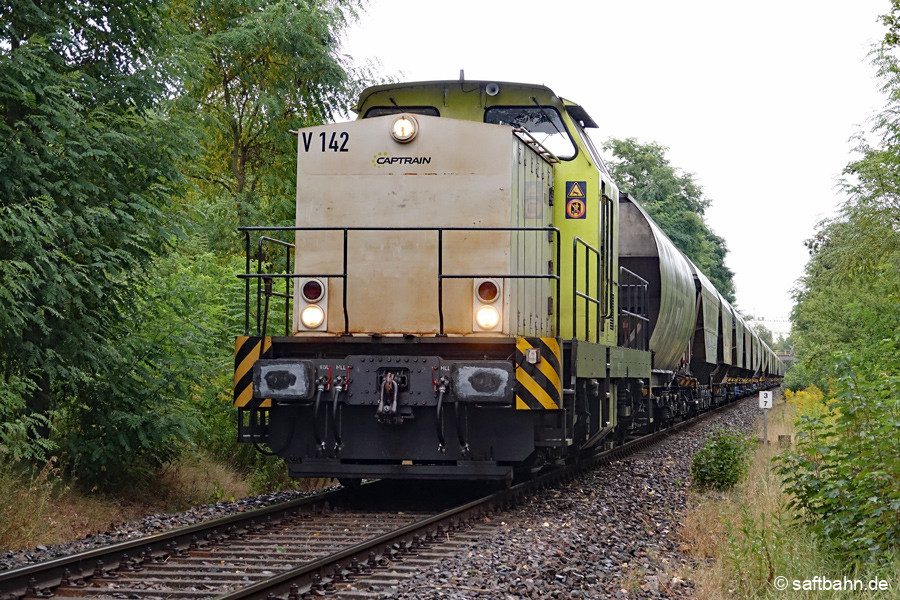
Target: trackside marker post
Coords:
[(765, 403)]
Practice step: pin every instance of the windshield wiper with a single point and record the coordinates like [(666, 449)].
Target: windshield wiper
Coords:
[(546, 115)]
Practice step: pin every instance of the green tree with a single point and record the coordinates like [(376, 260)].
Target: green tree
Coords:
[(764, 333), (849, 294), (261, 70), (169, 366), (845, 472), (115, 324), (675, 201), (784, 344), (87, 166)]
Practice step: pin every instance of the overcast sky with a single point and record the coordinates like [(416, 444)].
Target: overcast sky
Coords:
[(757, 100)]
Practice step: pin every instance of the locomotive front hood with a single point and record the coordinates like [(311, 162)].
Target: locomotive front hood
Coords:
[(393, 174)]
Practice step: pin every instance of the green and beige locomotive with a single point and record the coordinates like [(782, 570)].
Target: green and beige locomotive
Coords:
[(466, 294)]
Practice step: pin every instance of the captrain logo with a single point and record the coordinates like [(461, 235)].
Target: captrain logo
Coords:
[(381, 159)]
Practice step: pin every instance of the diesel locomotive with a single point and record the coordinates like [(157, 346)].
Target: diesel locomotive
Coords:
[(466, 294)]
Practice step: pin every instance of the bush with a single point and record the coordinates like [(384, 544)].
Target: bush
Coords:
[(173, 359), (844, 474), (809, 402), (723, 461)]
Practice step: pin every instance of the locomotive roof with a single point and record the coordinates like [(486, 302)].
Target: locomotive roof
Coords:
[(575, 110)]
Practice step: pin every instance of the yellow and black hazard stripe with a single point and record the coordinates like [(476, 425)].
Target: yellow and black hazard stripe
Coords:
[(247, 350), (538, 386)]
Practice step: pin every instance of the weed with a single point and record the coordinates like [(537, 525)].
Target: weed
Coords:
[(723, 461)]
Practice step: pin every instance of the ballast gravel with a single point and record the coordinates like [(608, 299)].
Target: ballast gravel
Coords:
[(148, 525), (611, 534)]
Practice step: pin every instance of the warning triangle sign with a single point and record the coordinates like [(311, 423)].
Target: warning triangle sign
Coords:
[(575, 190)]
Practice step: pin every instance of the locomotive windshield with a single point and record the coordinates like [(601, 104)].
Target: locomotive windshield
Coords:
[(380, 111), (543, 122)]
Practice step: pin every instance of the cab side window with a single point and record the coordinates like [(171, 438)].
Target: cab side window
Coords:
[(542, 122)]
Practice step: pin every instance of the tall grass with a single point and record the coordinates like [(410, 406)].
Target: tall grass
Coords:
[(743, 539), (40, 507), (28, 508)]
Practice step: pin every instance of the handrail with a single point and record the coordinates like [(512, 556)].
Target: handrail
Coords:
[(529, 139), (287, 285), (588, 251), (608, 269), (259, 276), (634, 322), (605, 300)]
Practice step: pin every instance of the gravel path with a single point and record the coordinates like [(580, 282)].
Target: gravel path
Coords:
[(613, 534)]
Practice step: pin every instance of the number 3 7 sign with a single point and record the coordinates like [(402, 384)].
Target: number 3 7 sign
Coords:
[(765, 399)]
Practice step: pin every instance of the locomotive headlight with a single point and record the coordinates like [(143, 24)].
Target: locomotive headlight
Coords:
[(404, 129), (312, 316), (311, 300), (487, 304), (487, 317)]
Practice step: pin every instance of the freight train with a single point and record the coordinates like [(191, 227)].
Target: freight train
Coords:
[(467, 294)]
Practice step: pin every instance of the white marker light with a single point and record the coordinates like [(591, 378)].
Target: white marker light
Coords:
[(404, 129), (487, 317), (312, 316)]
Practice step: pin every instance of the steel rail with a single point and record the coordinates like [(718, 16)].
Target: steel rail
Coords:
[(49, 574)]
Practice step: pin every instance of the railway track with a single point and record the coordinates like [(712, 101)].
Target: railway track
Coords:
[(318, 546)]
